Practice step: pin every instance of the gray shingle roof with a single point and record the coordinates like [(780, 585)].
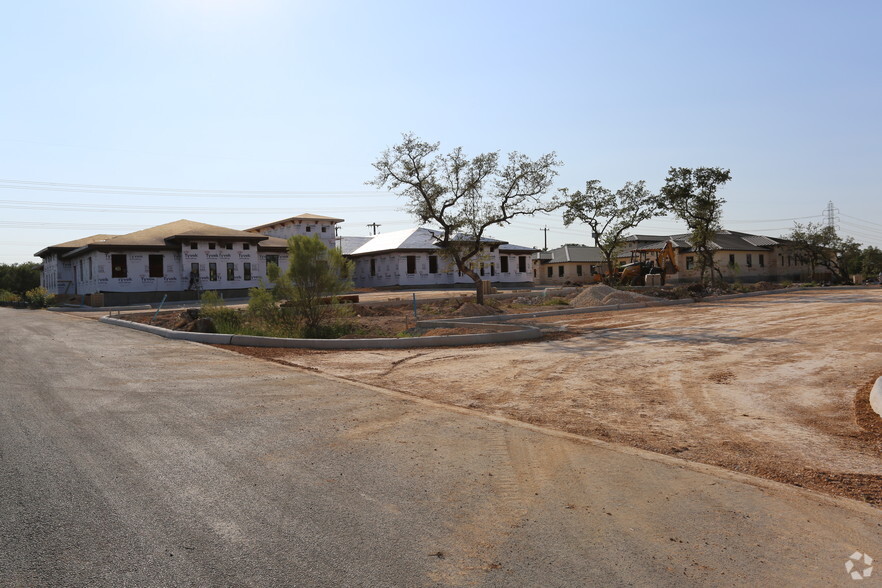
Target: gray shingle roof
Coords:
[(571, 253)]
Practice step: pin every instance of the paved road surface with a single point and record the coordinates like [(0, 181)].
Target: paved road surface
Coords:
[(131, 460)]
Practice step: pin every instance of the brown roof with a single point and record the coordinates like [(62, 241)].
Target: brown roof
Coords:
[(273, 243), (158, 235), (73, 244), (300, 217)]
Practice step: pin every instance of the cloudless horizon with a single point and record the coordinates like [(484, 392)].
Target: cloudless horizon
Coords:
[(118, 116)]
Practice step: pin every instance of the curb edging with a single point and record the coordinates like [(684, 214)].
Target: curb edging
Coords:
[(502, 334), (876, 397)]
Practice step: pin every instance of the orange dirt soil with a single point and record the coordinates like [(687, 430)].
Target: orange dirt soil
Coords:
[(774, 385)]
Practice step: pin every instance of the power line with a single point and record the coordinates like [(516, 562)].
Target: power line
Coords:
[(177, 192), (141, 208), (861, 220)]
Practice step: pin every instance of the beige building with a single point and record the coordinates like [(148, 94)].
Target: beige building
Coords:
[(570, 264), (740, 257)]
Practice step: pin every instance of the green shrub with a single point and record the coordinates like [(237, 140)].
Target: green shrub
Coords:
[(38, 297), (7, 296)]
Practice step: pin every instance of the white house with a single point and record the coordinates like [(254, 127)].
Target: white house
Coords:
[(411, 258), (175, 259)]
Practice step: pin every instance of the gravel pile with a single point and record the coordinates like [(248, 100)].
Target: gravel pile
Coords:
[(603, 295)]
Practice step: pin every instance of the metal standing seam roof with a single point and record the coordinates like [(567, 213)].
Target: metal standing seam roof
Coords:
[(418, 239)]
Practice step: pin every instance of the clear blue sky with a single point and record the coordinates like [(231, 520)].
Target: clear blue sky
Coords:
[(301, 97)]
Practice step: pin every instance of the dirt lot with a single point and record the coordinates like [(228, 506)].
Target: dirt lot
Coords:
[(773, 385)]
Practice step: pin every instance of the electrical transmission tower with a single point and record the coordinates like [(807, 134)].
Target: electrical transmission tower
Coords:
[(829, 215)]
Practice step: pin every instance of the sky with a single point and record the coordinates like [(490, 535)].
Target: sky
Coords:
[(117, 116)]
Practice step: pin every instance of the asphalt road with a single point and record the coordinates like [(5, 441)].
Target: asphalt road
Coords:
[(131, 460)]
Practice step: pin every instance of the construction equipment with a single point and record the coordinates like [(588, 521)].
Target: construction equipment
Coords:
[(648, 261)]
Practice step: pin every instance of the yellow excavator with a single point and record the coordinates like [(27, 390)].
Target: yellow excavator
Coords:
[(648, 261)]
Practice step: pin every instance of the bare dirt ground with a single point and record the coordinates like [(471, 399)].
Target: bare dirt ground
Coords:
[(773, 385)]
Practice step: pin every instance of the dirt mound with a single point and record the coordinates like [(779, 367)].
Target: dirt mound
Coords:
[(472, 309), (592, 296), (603, 295), (622, 297)]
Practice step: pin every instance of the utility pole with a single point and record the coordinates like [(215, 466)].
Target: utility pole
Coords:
[(545, 230), (374, 225)]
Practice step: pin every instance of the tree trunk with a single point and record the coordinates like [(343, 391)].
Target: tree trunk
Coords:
[(479, 289)]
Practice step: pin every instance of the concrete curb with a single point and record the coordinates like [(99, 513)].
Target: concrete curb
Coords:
[(502, 334), (169, 333), (876, 397)]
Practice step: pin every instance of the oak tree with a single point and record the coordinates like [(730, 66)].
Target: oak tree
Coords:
[(610, 214), (465, 196), (691, 194)]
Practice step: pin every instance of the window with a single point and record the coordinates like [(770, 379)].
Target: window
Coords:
[(231, 271), (228, 246), (789, 260), (731, 260), (194, 245), (246, 246), (118, 266), (212, 271), (373, 267), (155, 266), (411, 264), (560, 271), (308, 228), (90, 268), (481, 269), (578, 270), (246, 271), (749, 260), (272, 259), (324, 229), (433, 264), (690, 262), (212, 245), (492, 268), (522, 263), (550, 271), (762, 260), (82, 275), (503, 264)]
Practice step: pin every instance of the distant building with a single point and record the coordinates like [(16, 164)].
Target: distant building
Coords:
[(740, 257), (411, 258), (310, 225), (176, 260), (569, 264)]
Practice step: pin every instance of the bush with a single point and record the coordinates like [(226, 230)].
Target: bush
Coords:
[(315, 273), (7, 296), (225, 320), (19, 278), (38, 297)]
